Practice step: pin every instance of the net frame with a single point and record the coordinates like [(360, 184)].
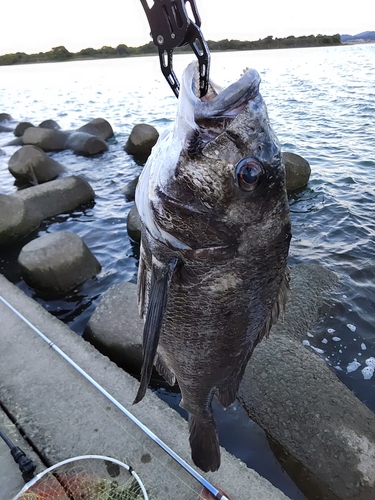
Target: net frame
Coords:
[(38, 479)]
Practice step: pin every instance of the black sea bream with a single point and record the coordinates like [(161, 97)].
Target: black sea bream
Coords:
[(215, 239)]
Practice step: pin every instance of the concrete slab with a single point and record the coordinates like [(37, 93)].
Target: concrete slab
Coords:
[(63, 415)]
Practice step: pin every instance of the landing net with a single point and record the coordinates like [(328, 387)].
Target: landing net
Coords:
[(91, 477)]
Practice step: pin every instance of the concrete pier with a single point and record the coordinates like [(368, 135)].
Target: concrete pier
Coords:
[(62, 415)]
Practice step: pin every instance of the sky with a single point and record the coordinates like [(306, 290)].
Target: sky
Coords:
[(38, 25)]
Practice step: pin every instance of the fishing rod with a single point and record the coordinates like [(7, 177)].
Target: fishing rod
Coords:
[(206, 484)]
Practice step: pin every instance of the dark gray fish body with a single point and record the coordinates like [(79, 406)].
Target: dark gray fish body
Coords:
[(215, 240)]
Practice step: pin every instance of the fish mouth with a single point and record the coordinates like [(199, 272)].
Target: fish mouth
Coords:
[(224, 103)]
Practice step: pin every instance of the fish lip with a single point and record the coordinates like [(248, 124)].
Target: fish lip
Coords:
[(229, 102)]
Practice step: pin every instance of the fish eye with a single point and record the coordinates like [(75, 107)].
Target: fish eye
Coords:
[(249, 173)]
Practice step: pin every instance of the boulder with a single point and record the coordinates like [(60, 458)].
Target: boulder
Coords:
[(133, 224), (23, 211), (31, 165), (56, 263), (324, 436), (141, 140), (115, 327), (21, 127), (46, 139), (5, 117), (297, 171), (129, 189), (50, 124), (17, 219), (99, 127), (58, 196), (85, 144)]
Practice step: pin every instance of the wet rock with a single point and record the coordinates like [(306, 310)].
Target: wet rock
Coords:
[(21, 127), (46, 139), (85, 144), (133, 224), (141, 140), (22, 212), (323, 434), (17, 219), (58, 196), (129, 189), (99, 127), (87, 140), (56, 263), (297, 171), (115, 327), (31, 165), (50, 124), (5, 117)]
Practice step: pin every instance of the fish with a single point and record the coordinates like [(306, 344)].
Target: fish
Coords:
[(213, 274)]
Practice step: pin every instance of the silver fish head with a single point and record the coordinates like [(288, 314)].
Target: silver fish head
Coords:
[(217, 179)]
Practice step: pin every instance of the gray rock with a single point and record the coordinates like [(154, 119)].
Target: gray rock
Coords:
[(325, 434), (133, 224), (21, 127), (129, 189), (57, 197), (17, 220), (56, 263), (5, 117), (115, 327), (23, 211), (297, 171), (141, 140), (50, 124), (31, 165), (46, 139), (99, 127), (85, 144)]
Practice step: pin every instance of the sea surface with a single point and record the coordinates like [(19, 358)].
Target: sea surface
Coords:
[(321, 103)]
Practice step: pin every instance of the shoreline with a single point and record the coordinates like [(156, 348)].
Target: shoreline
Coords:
[(61, 54)]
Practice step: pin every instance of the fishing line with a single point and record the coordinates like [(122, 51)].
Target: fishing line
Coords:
[(206, 484)]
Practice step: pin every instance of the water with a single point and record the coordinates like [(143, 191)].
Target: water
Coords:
[(321, 103)]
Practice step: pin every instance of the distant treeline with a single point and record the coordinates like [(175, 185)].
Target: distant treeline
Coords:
[(62, 54)]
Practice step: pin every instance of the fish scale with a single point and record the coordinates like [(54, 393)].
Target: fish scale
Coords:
[(215, 238)]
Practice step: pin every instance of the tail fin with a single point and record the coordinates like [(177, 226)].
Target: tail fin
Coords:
[(204, 443)]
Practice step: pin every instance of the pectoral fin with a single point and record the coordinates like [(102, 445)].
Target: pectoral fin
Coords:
[(161, 276)]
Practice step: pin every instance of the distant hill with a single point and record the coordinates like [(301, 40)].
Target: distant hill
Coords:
[(366, 36), (60, 53)]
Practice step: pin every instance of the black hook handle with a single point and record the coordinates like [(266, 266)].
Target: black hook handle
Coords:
[(171, 27)]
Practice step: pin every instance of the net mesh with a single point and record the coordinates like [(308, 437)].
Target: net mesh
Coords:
[(91, 478)]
